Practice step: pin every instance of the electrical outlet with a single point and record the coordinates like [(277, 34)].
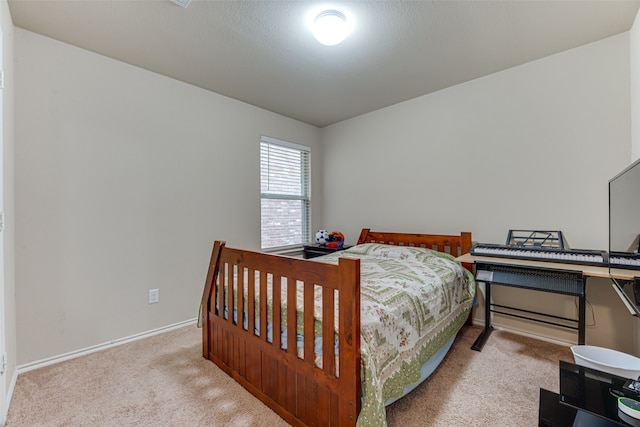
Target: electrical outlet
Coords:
[(154, 296)]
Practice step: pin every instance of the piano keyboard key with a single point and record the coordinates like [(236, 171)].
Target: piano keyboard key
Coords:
[(573, 256)]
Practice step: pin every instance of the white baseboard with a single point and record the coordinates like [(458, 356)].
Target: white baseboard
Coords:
[(12, 386), (82, 352), (524, 333)]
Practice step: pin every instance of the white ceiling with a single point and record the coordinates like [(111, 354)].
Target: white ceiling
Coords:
[(262, 52)]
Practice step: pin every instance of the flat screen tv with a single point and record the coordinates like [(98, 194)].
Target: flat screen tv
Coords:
[(624, 229)]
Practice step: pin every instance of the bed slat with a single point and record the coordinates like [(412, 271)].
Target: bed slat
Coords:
[(292, 316), (263, 306), (240, 295), (276, 323), (308, 323), (230, 286), (221, 291), (328, 331), (251, 301)]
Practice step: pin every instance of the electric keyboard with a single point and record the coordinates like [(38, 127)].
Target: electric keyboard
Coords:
[(624, 260), (552, 254)]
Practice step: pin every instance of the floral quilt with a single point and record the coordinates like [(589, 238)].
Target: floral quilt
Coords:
[(413, 300)]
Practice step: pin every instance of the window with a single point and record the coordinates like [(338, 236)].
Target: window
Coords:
[(285, 194)]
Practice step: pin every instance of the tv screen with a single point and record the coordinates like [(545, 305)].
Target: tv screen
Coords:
[(624, 229), (624, 210)]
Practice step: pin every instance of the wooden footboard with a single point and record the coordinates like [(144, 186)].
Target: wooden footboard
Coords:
[(300, 392)]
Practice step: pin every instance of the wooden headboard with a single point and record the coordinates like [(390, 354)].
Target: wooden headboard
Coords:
[(455, 245)]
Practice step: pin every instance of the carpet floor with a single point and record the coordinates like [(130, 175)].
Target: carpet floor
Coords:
[(163, 380)]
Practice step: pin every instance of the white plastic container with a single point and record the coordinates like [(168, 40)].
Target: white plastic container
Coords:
[(607, 360)]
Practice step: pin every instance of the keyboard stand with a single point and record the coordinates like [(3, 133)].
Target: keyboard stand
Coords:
[(484, 335), (567, 282)]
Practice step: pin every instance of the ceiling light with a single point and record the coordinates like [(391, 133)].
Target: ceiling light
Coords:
[(330, 27)]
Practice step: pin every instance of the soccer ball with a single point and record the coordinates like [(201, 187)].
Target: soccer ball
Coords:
[(322, 237)]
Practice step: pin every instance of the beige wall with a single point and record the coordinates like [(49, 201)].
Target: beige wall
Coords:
[(124, 180), (532, 147), (634, 54)]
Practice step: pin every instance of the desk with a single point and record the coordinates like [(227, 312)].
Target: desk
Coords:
[(587, 270), (582, 274)]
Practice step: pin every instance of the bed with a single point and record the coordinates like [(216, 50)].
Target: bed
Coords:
[(341, 366)]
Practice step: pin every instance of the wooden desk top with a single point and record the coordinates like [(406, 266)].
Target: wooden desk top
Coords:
[(587, 270)]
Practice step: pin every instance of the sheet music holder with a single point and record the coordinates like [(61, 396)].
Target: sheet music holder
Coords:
[(536, 239)]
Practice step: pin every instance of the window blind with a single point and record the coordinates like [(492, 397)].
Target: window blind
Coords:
[(285, 193)]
